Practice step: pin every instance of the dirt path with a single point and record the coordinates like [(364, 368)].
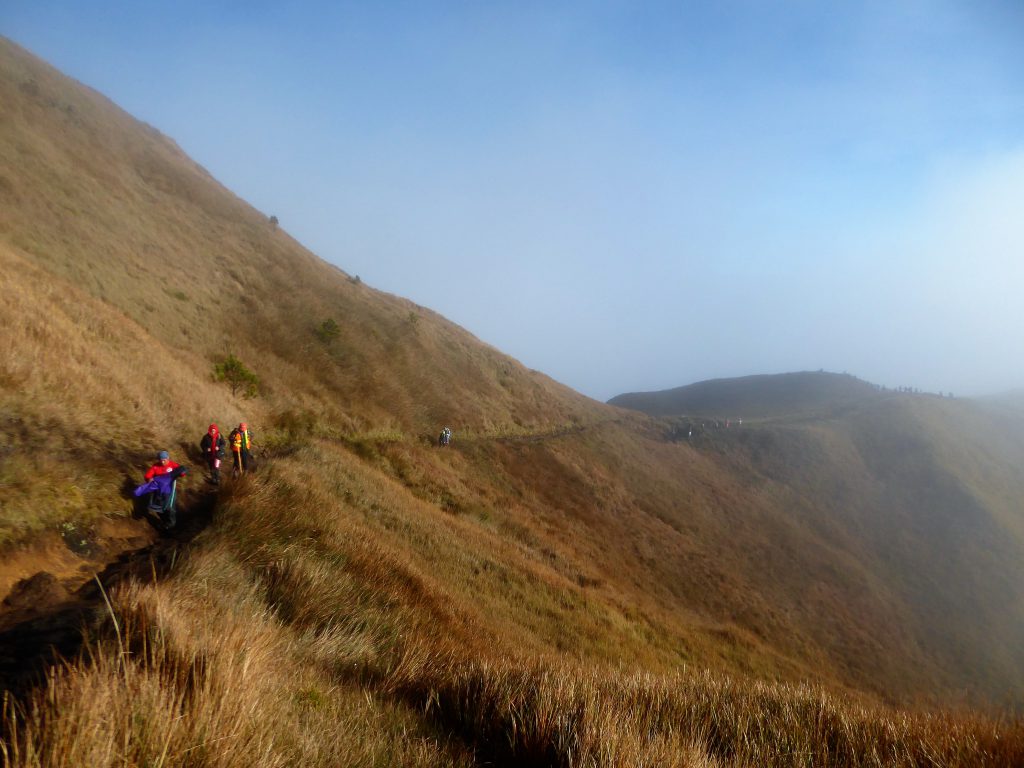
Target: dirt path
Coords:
[(539, 437), (43, 616)]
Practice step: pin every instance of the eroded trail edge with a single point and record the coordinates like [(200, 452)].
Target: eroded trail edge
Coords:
[(41, 623)]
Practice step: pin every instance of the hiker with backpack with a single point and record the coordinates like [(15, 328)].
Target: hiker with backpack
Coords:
[(240, 441), (161, 485), (445, 437), (212, 445)]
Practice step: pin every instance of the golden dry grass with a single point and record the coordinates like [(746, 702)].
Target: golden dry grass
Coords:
[(204, 682), (287, 638)]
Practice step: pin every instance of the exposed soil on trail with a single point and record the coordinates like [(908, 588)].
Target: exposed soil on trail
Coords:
[(72, 555), (45, 614)]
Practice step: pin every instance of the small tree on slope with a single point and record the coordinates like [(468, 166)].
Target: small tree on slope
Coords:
[(238, 377)]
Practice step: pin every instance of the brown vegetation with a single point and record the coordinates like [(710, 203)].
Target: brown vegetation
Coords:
[(288, 639)]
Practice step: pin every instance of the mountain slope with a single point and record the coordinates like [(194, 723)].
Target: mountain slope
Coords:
[(923, 493), (116, 209), (916, 496), (558, 534), (129, 272)]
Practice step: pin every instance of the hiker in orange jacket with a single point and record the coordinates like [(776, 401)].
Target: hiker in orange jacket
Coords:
[(240, 441)]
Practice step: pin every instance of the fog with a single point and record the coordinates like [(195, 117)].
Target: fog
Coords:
[(626, 196)]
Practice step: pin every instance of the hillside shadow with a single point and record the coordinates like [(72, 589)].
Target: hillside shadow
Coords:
[(127, 492)]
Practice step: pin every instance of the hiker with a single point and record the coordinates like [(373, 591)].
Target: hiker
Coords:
[(212, 446), (445, 437), (161, 484), (241, 446), (163, 466)]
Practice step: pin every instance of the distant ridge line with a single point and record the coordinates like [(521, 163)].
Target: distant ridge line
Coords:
[(759, 395)]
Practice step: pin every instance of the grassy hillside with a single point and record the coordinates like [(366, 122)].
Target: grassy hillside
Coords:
[(570, 584), (753, 397), (343, 635), (920, 490), (924, 494)]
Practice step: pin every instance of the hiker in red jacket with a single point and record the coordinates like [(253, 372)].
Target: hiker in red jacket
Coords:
[(163, 466), (212, 446), (161, 485)]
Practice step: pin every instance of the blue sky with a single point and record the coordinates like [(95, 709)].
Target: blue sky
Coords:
[(625, 195)]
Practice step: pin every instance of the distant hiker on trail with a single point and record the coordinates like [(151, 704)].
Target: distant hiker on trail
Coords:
[(212, 446), (161, 483), (445, 438), (240, 440)]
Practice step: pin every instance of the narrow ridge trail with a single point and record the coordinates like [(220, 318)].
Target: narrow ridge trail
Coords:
[(538, 437)]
